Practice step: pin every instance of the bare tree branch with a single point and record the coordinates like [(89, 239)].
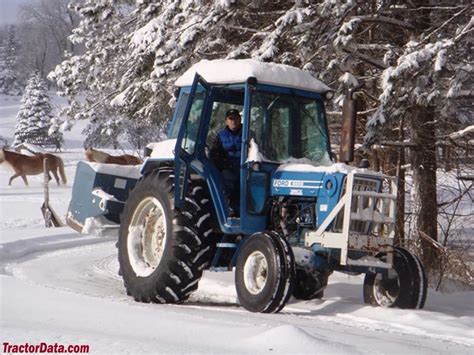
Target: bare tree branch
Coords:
[(385, 19), (439, 28), (377, 63), (462, 132), (457, 198)]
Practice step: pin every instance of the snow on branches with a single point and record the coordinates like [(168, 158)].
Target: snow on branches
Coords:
[(136, 50), (35, 115), (9, 83)]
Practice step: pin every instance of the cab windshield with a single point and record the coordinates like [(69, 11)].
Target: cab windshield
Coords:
[(288, 128)]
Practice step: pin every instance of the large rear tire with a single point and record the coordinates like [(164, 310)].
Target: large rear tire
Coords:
[(163, 251), (404, 286), (265, 273)]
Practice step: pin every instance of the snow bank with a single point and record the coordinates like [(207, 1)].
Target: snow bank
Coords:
[(306, 165), (130, 171), (163, 149), (223, 71), (99, 226), (276, 340)]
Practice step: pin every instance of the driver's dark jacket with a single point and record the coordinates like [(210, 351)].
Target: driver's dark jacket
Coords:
[(225, 149)]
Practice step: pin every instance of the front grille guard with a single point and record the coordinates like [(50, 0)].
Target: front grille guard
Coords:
[(363, 220)]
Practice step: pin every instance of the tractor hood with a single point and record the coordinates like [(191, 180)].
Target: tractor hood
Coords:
[(305, 184), (307, 180)]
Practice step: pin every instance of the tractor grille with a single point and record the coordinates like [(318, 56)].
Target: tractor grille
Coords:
[(362, 184)]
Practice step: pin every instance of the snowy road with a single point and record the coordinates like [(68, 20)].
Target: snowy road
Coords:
[(65, 288)]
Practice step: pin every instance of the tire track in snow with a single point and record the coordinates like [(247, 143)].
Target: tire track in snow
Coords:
[(351, 321), (88, 269), (24, 249), (89, 266)]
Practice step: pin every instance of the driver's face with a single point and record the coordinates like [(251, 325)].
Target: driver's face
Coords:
[(234, 122)]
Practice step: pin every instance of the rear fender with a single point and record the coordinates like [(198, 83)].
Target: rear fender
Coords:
[(151, 164)]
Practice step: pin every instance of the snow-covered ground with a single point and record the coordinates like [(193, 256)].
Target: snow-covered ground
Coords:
[(57, 286)]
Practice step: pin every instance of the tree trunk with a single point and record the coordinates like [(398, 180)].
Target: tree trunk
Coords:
[(391, 167), (424, 178), (400, 225), (400, 173)]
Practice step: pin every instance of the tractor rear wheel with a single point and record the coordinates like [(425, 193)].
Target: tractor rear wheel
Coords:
[(163, 251), (404, 286), (265, 273)]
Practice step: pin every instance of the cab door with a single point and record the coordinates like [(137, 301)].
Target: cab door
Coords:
[(190, 140)]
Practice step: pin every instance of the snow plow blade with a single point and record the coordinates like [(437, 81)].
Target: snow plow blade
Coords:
[(99, 193)]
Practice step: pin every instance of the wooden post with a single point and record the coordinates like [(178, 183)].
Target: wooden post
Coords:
[(46, 211), (51, 219)]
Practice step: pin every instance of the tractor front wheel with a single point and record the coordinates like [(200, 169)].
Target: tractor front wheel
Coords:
[(403, 286), (265, 273)]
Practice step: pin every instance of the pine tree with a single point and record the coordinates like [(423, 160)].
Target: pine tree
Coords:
[(9, 84), (35, 115)]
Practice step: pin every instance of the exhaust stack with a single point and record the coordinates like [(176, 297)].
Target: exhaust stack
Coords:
[(349, 116)]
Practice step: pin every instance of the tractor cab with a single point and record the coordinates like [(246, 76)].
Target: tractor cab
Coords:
[(284, 122)]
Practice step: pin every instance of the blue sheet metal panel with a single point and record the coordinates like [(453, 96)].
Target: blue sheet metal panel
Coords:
[(81, 206), (117, 186), (292, 183), (84, 204), (330, 194), (257, 191), (325, 188)]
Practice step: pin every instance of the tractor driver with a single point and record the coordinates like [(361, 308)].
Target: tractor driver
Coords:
[(225, 153)]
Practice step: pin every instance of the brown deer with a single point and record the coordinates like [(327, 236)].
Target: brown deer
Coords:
[(97, 156), (32, 165)]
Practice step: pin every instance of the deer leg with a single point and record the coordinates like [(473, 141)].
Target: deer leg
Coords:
[(15, 176), (56, 177), (12, 177)]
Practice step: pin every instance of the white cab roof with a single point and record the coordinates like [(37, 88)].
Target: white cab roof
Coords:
[(232, 71)]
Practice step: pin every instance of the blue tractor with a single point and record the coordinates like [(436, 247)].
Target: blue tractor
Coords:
[(302, 216)]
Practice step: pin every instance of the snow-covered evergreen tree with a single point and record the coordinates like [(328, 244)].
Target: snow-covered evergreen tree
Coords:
[(35, 115), (9, 84), (133, 55)]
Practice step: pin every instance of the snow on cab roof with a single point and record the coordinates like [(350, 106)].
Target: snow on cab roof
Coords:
[(232, 71)]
